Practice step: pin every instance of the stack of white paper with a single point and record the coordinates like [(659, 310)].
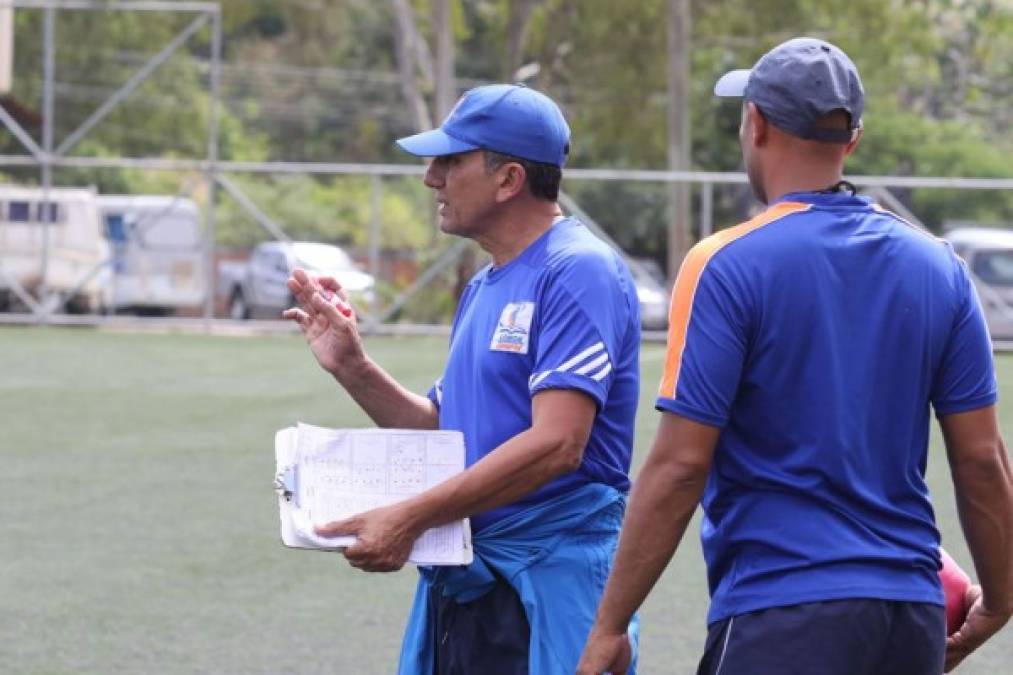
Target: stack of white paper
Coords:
[(330, 474)]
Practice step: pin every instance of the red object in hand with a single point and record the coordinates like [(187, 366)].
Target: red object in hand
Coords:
[(336, 300), (955, 585)]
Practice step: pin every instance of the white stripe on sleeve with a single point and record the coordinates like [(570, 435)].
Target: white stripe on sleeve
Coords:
[(587, 368), (585, 361), (593, 349), (600, 375)]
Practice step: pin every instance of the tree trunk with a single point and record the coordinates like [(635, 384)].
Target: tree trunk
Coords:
[(446, 89), (678, 131), (406, 39), (517, 34)]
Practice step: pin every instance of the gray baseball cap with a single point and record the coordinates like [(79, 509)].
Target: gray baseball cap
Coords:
[(796, 83)]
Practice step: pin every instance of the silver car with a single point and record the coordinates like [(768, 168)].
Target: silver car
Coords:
[(259, 287), (989, 257)]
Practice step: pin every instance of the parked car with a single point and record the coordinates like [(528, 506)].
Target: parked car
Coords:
[(76, 252), (989, 256), (158, 258), (257, 288), (651, 291)]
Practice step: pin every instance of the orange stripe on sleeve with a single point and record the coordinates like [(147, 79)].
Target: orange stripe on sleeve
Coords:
[(689, 277)]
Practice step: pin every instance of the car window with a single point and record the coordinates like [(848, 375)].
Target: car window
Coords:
[(994, 267), (17, 212)]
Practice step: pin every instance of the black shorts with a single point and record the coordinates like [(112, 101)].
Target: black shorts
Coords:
[(842, 637), (489, 635)]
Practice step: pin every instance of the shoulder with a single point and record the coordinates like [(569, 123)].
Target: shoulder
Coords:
[(575, 255), (744, 243)]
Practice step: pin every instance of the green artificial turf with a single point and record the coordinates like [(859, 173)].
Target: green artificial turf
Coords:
[(139, 530)]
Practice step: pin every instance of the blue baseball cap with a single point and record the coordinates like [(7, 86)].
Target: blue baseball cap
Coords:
[(796, 83), (506, 118)]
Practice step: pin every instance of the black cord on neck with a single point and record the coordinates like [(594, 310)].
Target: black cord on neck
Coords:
[(839, 186)]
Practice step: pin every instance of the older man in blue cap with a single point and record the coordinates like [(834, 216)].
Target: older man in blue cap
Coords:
[(805, 351), (542, 379)]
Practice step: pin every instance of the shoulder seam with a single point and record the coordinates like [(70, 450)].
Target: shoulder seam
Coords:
[(920, 230), (693, 267)]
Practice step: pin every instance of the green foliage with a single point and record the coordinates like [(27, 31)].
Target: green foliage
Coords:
[(337, 210), (317, 81)]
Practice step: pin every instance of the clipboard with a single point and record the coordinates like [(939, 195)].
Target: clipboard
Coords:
[(328, 474)]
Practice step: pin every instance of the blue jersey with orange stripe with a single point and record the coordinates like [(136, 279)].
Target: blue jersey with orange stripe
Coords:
[(562, 315), (817, 336)]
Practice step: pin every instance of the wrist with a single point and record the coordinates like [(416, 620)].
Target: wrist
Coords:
[(418, 514), (350, 371)]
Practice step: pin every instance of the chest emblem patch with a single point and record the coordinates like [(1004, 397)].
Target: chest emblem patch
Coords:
[(513, 332)]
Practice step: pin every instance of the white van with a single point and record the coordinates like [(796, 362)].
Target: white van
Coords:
[(989, 257), (77, 251), (158, 256)]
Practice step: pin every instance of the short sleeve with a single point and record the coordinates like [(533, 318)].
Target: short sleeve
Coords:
[(707, 338), (582, 323), (966, 376), (435, 393)]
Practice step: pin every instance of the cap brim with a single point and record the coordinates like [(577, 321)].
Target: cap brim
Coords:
[(732, 83), (435, 143)]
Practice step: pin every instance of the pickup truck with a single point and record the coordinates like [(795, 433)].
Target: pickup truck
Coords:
[(256, 289)]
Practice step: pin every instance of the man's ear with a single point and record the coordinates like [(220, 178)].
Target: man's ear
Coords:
[(757, 131), (856, 136), (511, 177)]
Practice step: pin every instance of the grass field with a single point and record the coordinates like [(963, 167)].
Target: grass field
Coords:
[(139, 531)]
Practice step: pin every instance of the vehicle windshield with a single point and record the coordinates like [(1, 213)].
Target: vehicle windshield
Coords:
[(995, 268), (322, 257)]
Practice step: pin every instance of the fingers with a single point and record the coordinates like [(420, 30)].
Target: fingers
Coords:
[(302, 280), (331, 284), (297, 315), (338, 528), (335, 309), (361, 557)]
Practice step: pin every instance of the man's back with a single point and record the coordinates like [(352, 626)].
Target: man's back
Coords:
[(839, 325)]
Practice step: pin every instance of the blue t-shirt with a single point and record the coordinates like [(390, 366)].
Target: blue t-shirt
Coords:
[(562, 315), (816, 336)]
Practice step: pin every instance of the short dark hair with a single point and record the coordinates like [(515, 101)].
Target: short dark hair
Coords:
[(543, 179)]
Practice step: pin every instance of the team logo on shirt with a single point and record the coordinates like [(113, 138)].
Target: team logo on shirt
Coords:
[(513, 332)]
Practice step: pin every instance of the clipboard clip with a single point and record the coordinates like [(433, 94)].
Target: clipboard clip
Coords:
[(285, 483)]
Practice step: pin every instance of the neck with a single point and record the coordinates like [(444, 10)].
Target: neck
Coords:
[(515, 230), (802, 166)]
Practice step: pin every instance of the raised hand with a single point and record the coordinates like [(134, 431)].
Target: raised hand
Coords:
[(327, 320)]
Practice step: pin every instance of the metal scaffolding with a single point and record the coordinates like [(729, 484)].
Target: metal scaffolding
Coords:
[(50, 155)]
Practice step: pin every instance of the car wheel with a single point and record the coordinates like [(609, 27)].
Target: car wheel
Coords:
[(238, 309)]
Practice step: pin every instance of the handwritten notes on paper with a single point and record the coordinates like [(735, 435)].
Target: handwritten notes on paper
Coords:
[(331, 474)]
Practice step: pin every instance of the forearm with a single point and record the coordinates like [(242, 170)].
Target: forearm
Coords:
[(516, 468), (984, 489), (661, 505), (387, 403)]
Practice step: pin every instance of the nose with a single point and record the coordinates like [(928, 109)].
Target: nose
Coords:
[(434, 175)]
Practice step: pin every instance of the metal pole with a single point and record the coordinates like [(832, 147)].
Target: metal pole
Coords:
[(22, 135), (374, 238), (135, 81), (247, 204), (49, 67), (212, 174), (706, 210), (120, 5)]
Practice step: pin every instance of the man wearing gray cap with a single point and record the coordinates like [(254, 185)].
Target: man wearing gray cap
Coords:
[(806, 349)]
